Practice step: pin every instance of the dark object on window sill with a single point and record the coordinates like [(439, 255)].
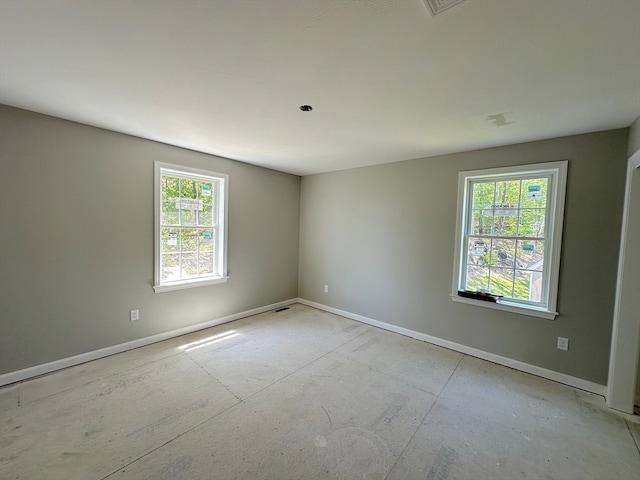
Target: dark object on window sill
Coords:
[(486, 297)]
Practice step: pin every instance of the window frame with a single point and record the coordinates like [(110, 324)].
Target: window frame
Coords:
[(556, 194), (221, 193)]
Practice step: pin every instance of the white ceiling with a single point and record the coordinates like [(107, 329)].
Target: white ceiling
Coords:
[(386, 80)]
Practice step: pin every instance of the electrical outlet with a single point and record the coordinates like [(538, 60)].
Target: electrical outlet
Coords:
[(563, 343), (326, 289), (134, 315)]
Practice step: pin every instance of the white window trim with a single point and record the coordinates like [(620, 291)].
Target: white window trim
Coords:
[(222, 213), (556, 194)]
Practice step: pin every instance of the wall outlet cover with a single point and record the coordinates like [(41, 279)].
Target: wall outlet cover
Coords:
[(563, 343)]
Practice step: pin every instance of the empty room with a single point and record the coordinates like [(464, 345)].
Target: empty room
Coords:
[(319, 239)]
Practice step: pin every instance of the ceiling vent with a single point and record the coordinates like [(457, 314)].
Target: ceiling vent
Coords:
[(438, 6)]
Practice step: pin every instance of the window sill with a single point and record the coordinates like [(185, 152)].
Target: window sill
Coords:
[(507, 307), (188, 284)]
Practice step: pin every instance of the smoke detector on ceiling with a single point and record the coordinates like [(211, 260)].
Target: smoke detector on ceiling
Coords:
[(438, 6)]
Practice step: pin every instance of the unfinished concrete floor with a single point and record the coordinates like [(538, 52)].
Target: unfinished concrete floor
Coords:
[(304, 394)]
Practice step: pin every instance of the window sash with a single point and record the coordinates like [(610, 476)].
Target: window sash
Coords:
[(555, 174), (181, 253), (200, 223), (198, 178), (470, 186)]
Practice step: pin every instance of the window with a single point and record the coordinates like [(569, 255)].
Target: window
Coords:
[(190, 227), (509, 230)]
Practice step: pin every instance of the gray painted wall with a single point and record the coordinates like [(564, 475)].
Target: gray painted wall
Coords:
[(76, 240), (634, 137), (382, 238)]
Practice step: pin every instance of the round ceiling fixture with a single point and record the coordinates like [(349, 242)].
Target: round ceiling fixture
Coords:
[(306, 108)]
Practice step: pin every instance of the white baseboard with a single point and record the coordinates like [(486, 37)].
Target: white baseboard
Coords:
[(474, 352), (12, 377), (42, 369)]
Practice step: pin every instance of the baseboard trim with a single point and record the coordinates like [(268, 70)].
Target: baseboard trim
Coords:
[(474, 352), (37, 370)]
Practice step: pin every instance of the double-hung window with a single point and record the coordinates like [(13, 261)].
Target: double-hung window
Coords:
[(190, 227), (509, 231)]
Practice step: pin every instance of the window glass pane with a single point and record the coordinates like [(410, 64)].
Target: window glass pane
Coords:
[(507, 192), (189, 264), (503, 253), (170, 191), (187, 213), (481, 223), (205, 247), (189, 240), (188, 203), (483, 193), (499, 205), (501, 281), (534, 193), (206, 239), (206, 195), (170, 239), (478, 251), (170, 213), (532, 222), (477, 278), (522, 284), (170, 267), (189, 188), (528, 285), (504, 224), (207, 251), (170, 187), (531, 255), (205, 263)]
